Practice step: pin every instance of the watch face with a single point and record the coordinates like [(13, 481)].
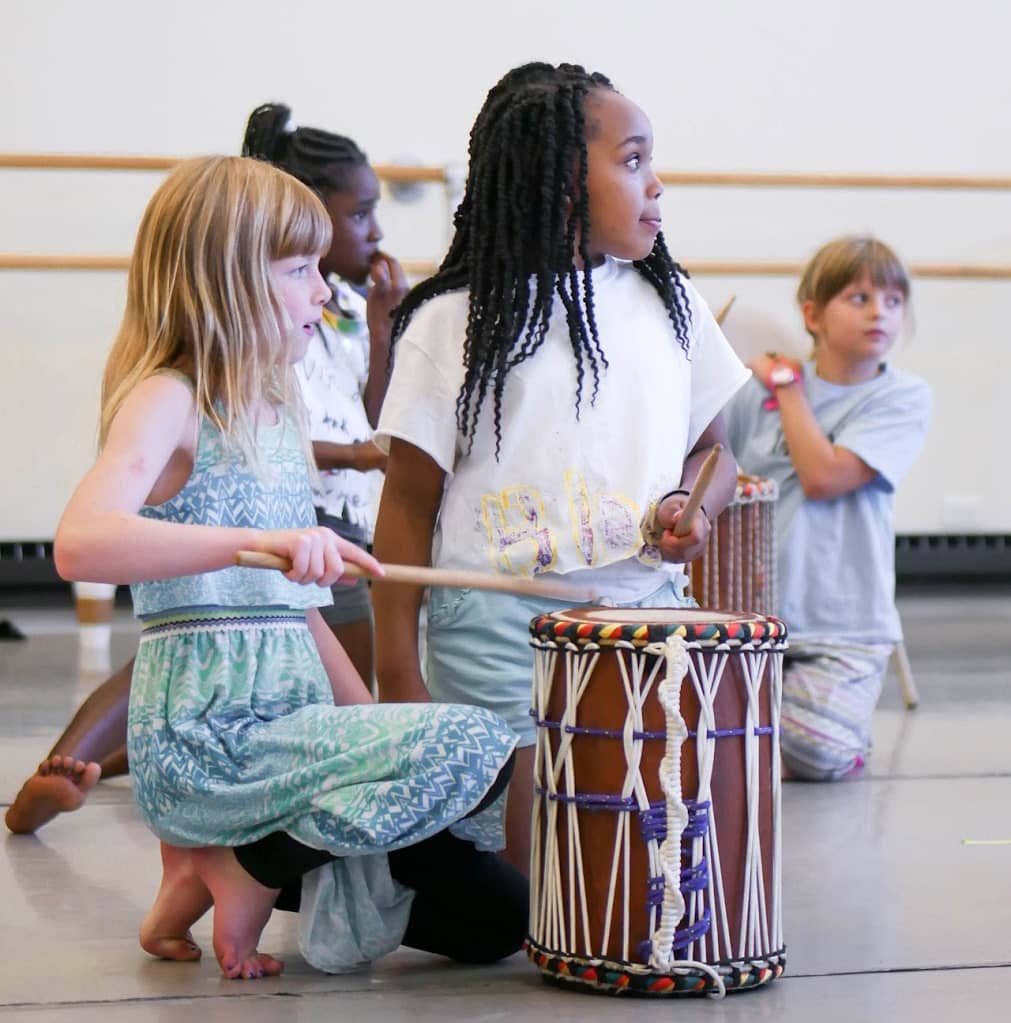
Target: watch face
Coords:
[(782, 375)]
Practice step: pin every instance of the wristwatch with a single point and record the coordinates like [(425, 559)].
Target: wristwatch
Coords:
[(782, 376)]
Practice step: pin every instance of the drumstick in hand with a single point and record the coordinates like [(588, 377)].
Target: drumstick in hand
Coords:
[(683, 526), (418, 575)]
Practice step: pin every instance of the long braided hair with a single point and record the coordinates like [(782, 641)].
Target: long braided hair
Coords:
[(320, 159), (522, 221)]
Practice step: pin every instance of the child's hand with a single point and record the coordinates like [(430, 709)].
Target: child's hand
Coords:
[(681, 548), (387, 288), (762, 365), (317, 554)]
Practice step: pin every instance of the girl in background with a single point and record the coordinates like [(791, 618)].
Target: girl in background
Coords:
[(837, 433)]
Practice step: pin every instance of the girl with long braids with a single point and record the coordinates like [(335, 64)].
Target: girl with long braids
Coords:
[(557, 385)]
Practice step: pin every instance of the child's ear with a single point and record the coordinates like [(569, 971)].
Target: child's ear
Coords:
[(811, 318)]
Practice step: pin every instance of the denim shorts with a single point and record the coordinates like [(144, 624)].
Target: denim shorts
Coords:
[(479, 648), (351, 603)]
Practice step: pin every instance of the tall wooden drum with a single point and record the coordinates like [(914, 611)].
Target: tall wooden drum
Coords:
[(656, 862), (738, 569)]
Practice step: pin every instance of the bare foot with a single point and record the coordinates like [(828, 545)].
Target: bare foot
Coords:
[(60, 785), (181, 901), (242, 907)]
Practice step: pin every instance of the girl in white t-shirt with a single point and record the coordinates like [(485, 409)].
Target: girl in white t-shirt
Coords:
[(556, 384)]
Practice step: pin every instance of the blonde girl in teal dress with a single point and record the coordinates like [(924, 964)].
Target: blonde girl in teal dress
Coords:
[(258, 756)]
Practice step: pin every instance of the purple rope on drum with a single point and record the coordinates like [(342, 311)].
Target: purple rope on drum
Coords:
[(617, 733)]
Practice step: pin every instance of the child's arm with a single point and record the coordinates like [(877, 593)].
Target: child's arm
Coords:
[(345, 681), (148, 455), (824, 470), (412, 495), (387, 288), (361, 456), (718, 495)]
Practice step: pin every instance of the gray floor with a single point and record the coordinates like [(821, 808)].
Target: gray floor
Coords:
[(896, 886)]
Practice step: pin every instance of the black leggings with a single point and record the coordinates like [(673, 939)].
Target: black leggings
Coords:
[(468, 905)]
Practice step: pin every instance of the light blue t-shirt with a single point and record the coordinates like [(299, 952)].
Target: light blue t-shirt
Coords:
[(837, 557)]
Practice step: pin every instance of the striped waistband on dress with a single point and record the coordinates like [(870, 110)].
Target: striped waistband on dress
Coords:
[(220, 619)]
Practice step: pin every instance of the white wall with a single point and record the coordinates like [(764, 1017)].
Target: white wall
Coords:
[(862, 86)]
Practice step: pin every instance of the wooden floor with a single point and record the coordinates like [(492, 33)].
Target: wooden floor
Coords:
[(897, 886)]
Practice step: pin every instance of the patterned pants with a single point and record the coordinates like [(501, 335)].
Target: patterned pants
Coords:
[(830, 690)]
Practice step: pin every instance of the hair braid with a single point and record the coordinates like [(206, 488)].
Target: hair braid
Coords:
[(524, 212), (319, 159)]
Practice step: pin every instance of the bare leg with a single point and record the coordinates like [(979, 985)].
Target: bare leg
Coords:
[(356, 638), (92, 746), (518, 808), (97, 732), (60, 785), (182, 900), (242, 907)]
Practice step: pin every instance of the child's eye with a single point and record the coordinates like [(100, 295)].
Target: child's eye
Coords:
[(859, 298), (633, 162), (893, 301)]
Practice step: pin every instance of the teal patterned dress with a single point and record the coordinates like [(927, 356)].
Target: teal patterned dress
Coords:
[(233, 732)]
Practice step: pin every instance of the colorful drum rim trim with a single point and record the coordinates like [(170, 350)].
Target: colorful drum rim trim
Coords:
[(618, 978), (709, 628)]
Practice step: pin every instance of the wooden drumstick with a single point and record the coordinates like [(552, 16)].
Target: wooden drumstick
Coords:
[(683, 525), (419, 575), (722, 314)]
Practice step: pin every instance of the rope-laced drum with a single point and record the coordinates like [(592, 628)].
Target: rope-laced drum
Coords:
[(738, 569), (656, 863)]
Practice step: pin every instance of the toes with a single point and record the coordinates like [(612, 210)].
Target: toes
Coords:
[(254, 967), (181, 950)]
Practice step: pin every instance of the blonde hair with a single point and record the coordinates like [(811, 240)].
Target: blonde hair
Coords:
[(199, 294), (839, 263)]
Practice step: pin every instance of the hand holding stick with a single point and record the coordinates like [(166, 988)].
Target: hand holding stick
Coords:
[(683, 525), (418, 575)]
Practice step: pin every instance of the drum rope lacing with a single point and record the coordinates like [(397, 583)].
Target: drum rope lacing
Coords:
[(676, 666), (547, 898)]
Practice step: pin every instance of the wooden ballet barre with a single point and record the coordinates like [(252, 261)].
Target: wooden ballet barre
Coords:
[(790, 268), (70, 161), (420, 268), (398, 173), (422, 575), (789, 179)]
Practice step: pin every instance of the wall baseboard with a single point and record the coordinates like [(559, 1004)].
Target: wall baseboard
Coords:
[(982, 555), (28, 563)]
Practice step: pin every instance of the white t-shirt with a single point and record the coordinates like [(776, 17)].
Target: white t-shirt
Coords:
[(567, 493), (332, 376), (837, 557)]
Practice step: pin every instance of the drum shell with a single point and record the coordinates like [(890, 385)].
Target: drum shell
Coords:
[(597, 765), (737, 571)]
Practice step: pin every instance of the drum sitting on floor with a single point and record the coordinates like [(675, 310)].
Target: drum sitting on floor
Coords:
[(656, 863), (738, 569)]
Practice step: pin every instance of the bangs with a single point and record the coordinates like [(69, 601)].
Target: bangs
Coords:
[(304, 227), (884, 269), (838, 264)]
